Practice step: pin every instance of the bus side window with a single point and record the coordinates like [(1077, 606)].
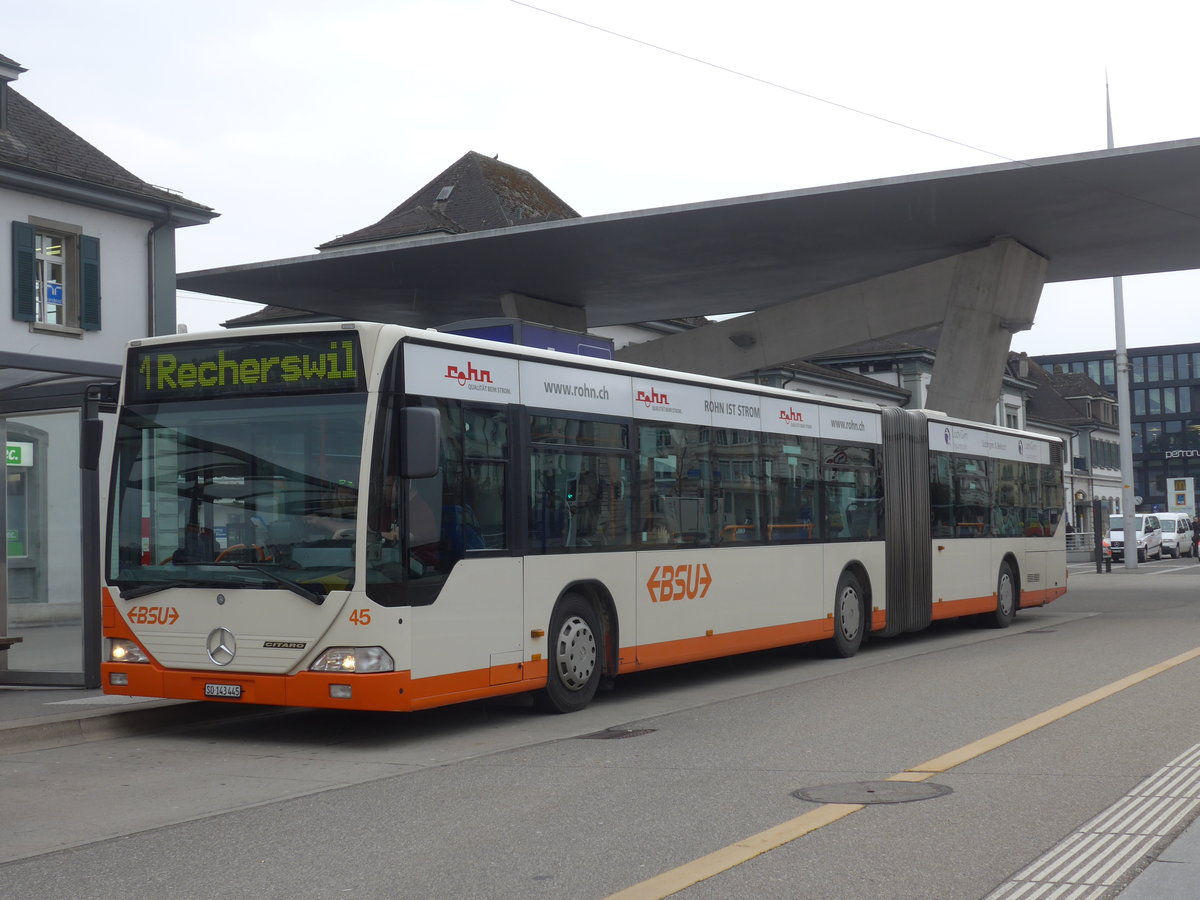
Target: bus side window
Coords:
[(941, 495)]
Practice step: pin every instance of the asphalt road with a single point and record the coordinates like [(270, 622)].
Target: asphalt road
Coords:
[(493, 800)]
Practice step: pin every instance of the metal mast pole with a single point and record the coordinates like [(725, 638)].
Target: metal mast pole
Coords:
[(1124, 426)]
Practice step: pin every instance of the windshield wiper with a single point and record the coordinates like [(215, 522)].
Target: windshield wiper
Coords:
[(311, 596), (142, 591)]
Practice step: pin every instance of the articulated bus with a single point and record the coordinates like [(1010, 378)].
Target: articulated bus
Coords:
[(369, 516)]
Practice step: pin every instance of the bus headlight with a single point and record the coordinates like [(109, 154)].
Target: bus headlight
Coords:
[(123, 651), (356, 660)]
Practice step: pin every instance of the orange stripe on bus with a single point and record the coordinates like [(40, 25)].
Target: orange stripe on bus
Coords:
[(668, 653), (1042, 597), (396, 691), (949, 609)]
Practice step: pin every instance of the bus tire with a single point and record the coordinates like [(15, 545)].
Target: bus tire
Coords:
[(574, 658), (1007, 598), (849, 616)]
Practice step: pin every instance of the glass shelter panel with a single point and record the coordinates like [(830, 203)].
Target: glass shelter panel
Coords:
[(44, 556)]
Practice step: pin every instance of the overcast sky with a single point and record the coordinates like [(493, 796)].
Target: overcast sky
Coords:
[(299, 120)]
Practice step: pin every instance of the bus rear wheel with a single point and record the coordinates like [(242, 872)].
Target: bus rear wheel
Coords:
[(575, 663), (1006, 598), (849, 616)]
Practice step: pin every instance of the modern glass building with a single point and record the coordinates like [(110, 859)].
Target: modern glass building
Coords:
[(1164, 391)]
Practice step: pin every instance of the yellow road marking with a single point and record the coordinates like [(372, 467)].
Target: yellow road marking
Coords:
[(1033, 723), (718, 861), (726, 858)]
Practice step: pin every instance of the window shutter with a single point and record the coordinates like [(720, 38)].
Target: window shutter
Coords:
[(24, 297), (89, 283)]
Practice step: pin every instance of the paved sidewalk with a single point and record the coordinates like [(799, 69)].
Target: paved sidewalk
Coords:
[(1175, 875), (33, 718)]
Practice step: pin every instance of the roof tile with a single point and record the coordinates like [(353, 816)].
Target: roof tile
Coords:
[(36, 140), (486, 194)]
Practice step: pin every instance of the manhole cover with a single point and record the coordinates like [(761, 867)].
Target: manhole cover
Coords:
[(872, 792), (613, 733)]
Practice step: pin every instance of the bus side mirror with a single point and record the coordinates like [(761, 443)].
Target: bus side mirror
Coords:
[(421, 432)]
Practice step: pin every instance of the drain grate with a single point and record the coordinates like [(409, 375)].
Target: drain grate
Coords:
[(867, 792), (610, 734), (1041, 631)]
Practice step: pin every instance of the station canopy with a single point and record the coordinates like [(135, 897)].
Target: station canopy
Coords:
[(1127, 211)]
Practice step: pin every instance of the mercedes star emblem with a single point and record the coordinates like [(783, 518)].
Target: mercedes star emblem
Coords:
[(221, 646)]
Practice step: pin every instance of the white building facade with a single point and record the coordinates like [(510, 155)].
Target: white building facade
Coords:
[(88, 265)]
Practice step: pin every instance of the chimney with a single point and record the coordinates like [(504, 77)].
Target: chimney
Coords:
[(9, 71), (1023, 366)]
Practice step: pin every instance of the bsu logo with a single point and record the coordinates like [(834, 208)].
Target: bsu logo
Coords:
[(691, 580), (483, 376)]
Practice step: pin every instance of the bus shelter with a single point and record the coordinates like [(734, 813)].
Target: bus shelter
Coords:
[(50, 423)]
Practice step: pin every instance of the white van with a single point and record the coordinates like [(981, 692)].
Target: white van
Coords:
[(1146, 537), (1176, 534)]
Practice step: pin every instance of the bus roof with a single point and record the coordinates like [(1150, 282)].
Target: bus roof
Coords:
[(384, 335)]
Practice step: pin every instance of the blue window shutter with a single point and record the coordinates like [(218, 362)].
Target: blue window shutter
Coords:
[(24, 297), (89, 283)]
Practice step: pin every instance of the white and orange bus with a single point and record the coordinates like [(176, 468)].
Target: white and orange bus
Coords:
[(369, 516)]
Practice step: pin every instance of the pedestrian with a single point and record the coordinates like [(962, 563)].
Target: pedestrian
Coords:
[(1196, 537)]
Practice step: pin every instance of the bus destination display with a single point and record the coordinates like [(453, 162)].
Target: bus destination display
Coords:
[(320, 362)]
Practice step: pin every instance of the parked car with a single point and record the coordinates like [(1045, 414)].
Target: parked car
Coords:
[(1147, 536), (1176, 534)]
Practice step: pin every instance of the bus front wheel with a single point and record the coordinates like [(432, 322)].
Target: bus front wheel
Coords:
[(849, 616), (574, 657), (1006, 598)]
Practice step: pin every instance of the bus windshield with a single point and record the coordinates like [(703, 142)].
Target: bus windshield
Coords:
[(237, 493)]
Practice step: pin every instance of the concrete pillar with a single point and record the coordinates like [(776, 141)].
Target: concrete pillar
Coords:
[(980, 298), (994, 296), (543, 312)]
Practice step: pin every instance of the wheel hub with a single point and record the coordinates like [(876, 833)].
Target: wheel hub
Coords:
[(849, 613), (576, 657), (1006, 595)]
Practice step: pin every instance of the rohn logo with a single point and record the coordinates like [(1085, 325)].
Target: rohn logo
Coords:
[(791, 415), (483, 376), (652, 397)]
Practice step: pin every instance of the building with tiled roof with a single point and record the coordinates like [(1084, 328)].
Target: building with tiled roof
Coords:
[(88, 265), (117, 238), (476, 193), (35, 141)]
